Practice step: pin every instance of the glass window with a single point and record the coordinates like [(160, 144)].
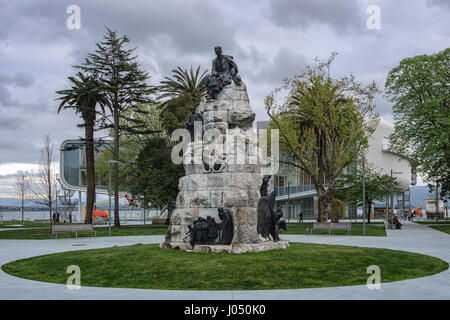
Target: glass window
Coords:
[(71, 166)]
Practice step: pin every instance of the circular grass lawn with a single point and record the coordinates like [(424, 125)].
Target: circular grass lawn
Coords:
[(300, 266)]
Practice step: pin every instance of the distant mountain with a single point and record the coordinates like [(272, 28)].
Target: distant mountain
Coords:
[(9, 202), (419, 194)]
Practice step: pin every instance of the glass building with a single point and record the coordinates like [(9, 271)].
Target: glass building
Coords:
[(73, 164)]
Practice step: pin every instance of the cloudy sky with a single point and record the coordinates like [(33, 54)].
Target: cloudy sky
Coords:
[(268, 39)]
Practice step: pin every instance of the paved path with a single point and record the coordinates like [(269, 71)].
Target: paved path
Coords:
[(413, 237)]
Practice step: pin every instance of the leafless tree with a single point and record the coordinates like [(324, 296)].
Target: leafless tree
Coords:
[(45, 178), (22, 188)]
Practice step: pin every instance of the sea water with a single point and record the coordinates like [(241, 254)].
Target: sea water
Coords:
[(126, 216)]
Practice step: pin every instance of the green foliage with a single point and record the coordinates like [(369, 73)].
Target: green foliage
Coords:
[(377, 185), (183, 83), (176, 113), (419, 89), (83, 97), (337, 210), (125, 87), (122, 80), (324, 124), (154, 175)]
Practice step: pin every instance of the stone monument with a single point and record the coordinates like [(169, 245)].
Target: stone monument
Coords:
[(222, 170)]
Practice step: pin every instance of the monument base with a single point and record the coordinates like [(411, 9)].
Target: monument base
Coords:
[(232, 248)]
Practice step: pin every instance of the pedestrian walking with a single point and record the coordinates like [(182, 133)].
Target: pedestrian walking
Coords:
[(300, 219)]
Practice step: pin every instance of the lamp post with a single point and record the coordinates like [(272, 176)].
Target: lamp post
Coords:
[(288, 203), (436, 213), (392, 189), (109, 193), (363, 160), (364, 195)]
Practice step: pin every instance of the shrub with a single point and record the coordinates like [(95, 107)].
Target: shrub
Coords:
[(337, 210)]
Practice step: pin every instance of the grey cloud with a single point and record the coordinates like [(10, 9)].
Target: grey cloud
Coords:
[(285, 64), (341, 15), (191, 27), (10, 123), (5, 96), (440, 3), (19, 79)]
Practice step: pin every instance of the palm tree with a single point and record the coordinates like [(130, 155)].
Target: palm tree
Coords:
[(184, 82), (83, 97)]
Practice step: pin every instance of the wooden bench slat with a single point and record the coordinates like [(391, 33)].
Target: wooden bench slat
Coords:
[(333, 226), (74, 228)]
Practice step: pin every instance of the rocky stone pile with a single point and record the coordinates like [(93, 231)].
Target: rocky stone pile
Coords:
[(222, 170)]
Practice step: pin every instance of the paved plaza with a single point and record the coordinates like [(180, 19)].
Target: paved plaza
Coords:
[(413, 238)]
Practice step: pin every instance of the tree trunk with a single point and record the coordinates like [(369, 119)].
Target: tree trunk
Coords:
[(116, 168), (90, 166), (22, 210), (369, 210), (325, 197), (324, 200), (51, 214), (50, 202)]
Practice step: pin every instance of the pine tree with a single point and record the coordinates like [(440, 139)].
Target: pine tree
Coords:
[(125, 86)]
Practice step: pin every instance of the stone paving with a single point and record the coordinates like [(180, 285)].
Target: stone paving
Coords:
[(413, 237)]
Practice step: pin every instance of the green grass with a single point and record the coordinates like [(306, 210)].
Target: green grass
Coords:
[(445, 229), (432, 221), (372, 229), (126, 230), (32, 224), (27, 224), (300, 266)]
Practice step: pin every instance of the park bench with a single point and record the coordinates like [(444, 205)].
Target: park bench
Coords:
[(342, 226), (332, 226), (392, 226), (72, 228)]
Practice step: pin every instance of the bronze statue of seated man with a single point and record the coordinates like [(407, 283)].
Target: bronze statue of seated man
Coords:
[(224, 70)]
